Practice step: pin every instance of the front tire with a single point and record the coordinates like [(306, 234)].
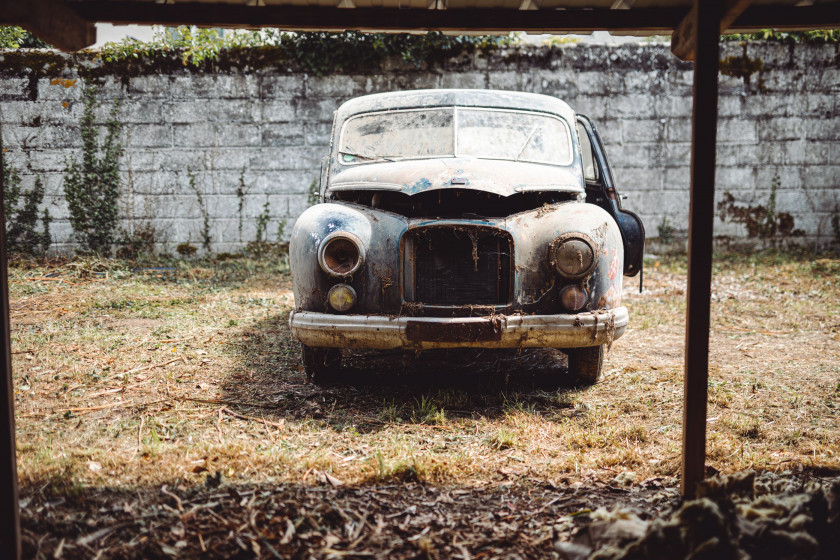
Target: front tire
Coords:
[(585, 364), (320, 363)]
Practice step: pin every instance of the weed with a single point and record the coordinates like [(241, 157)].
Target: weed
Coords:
[(138, 243), (313, 196), (391, 412), (21, 207), (241, 191), (92, 186), (665, 230), (427, 412), (186, 249), (206, 239), (262, 223), (503, 439)]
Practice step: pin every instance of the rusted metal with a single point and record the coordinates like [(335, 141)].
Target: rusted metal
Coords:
[(419, 331), (459, 239), (700, 228)]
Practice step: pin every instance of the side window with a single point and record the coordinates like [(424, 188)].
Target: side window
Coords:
[(590, 169)]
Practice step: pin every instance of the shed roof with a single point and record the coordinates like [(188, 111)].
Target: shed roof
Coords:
[(68, 24)]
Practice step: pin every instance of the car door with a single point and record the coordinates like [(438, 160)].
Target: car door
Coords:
[(601, 191)]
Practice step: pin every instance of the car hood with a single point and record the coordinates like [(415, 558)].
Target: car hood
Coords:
[(414, 176)]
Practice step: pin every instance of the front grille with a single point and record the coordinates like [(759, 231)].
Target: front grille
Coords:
[(458, 265)]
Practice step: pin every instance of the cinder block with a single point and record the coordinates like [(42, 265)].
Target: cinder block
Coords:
[(678, 130), (781, 128), (734, 178), (317, 134), (418, 80), (676, 178), (785, 176), (277, 111), (336, 85), (59, 89), (317, 110), (273, 87), (464, 80), (737, 131), (15, 89), (284, 134), (821, 129), (639, 130), (822, 177), (152, 85), (195, 135), (636, 106), (513, 81), (148, 136)]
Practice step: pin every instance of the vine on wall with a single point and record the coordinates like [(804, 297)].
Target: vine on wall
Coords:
[(92, 185)]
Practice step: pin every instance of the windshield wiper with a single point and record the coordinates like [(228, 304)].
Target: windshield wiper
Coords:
[(525, 144), (368, 157)]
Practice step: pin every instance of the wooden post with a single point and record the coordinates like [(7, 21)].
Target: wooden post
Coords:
[(9, 512), (700, 223)]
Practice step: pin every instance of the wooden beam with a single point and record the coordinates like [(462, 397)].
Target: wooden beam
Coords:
[(9, 510), (818, 16), (51, 21), (685, 35), (316, 18), (700, 222)]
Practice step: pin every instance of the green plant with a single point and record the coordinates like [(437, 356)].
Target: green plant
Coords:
[(186, 249), (262, 223), (92, 186), (206, 239), (318, 52), (665, 230), (313, 196), (21, 207), (814, 36), (241, 190), (12, 37), (281, 229), (137, 242)]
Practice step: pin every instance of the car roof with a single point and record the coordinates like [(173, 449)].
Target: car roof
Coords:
[(396, 100)]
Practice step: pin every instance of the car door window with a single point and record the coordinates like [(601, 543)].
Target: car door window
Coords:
[(590, 168)]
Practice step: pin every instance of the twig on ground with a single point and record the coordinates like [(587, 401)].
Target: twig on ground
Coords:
[(226, 410)]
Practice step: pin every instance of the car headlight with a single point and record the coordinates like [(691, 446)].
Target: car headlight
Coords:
[(342, 297), (573, 297), (341, 254), (573, 257)]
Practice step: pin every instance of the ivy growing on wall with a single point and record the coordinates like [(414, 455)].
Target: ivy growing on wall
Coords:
[(319, 53), (22, 214), (92, 185)]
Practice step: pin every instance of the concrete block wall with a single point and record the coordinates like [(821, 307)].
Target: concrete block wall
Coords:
[(271, 127)]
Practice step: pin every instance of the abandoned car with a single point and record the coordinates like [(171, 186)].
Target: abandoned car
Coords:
[(463, 218)]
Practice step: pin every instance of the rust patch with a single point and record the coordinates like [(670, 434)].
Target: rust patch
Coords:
[(418, 331), (65, 82)]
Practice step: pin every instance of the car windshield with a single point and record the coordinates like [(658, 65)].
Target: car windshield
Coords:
[(454, 132)]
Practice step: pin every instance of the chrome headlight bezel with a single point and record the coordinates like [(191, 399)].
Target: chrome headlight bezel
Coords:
[(573, 243), (325, 260)]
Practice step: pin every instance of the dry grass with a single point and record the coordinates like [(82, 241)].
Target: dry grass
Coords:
[(135, 379)]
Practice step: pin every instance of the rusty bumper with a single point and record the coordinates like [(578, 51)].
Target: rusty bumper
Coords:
[(501, 331)]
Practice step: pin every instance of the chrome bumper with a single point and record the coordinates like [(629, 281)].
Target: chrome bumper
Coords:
[(513, 331)]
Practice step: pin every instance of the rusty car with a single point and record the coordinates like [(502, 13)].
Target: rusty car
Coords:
[(463, 219)]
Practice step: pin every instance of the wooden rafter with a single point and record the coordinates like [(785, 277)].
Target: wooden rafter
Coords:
[(50, 20), (684, 39)]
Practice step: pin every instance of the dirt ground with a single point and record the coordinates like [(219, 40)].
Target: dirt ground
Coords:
[(163, 411)]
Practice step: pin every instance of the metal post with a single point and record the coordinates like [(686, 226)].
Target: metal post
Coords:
[(9, 512), (700, 223)]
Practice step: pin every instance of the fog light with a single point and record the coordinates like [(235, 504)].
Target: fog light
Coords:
[(573, 298), (342, 297), (341, 254), (574, 257)]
